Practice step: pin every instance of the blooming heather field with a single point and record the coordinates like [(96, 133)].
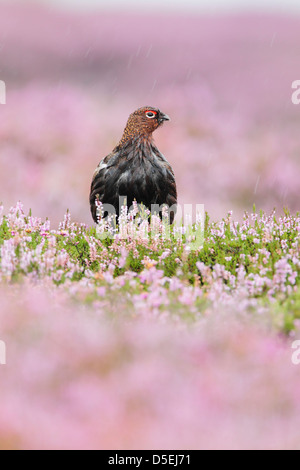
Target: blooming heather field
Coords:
[(135, 339)]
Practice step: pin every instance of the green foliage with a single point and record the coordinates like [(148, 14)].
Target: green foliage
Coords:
[(253, 248), (4, 231)]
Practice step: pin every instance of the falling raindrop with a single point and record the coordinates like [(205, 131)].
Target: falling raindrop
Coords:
[(138, 51), (257, 183), (154, 84), (2, 92), (273, 39), (149, 51), (130, 61), (188, 74), (87, 53)]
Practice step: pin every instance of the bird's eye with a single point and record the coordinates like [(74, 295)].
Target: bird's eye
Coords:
[(150, 114)]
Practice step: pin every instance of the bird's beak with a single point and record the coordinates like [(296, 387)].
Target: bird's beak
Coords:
[(163, 117)]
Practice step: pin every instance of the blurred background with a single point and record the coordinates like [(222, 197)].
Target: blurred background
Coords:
[(222, 69)]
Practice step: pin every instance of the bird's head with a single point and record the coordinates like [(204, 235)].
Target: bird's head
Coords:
[(144, 121)]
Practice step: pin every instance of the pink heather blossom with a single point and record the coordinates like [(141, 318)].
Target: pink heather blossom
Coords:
[(164, 255), (1, 213), (292, 278), (8, 258), (123, 258)]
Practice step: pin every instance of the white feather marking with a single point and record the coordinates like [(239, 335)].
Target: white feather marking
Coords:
[(102, 166)]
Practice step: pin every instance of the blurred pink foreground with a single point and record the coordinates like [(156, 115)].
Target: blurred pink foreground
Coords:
[(73, 380)]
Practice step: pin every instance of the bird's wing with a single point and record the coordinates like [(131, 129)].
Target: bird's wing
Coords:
[(163, 162), (102, 165), (98, 182)]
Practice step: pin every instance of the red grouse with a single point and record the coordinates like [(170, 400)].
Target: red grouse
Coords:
[(136, 169)]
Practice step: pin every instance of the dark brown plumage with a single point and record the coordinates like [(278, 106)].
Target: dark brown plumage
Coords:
[(136, 169)]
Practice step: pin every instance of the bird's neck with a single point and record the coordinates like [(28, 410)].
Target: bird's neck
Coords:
[(140, 139)]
